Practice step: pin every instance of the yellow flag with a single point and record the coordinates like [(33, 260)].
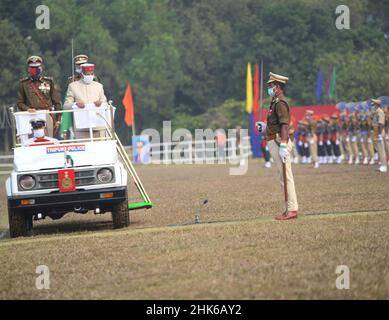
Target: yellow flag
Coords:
[(249, 90)]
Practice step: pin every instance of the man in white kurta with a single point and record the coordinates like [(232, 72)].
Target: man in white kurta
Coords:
[(85, 92)]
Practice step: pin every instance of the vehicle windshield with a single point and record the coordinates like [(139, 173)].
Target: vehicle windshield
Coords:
[(90, 124)]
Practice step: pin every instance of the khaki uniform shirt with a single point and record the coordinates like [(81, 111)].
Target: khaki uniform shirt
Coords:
[(279, 114), (27, 97), (378, 118), (312, 127), (78, 91)]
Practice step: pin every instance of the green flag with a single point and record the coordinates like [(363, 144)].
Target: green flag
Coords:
[(333, 83), (66, 122)]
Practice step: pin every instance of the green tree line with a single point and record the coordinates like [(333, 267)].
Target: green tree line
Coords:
[(186, 59)]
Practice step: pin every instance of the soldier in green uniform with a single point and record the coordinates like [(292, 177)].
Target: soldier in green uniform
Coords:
[(38, 92), (280, 145)]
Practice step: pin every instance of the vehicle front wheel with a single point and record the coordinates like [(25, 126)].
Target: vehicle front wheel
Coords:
[(20, 225), (120, 215)]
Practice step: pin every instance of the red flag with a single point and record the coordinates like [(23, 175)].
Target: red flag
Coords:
[(256, 91), (129, 106)]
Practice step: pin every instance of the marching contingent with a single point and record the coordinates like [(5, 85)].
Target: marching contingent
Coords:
[(354, 138)]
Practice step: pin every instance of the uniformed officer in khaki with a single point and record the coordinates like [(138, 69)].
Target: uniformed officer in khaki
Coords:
[(370, 134), (38, 92), (379, 133), (346, 146), (353, 135), (78, 61), (279, 143), (85, 91)]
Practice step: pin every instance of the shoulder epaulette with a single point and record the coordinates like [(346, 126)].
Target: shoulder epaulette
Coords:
[(282, 99), (48, 78), (24, 79)]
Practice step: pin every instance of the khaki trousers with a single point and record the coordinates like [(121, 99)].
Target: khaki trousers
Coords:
[(312, 140), (370, 148), (380, 146), (363, 142), (346, 146), (292, 204), (49, 131), (387, 145), (354, 146)]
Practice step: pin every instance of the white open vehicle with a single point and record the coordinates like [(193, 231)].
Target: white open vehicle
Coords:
[(44, 183)]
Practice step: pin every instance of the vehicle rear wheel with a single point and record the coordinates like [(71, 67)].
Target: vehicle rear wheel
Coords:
[(20, 225), (120, 215)]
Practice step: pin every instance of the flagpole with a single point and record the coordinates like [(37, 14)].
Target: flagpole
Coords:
[(72, 59), (261, 93), (133, 128)]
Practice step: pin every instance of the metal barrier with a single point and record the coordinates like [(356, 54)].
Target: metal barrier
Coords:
[(200, 151)]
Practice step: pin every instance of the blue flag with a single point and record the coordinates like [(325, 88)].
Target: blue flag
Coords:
[(319, 86)]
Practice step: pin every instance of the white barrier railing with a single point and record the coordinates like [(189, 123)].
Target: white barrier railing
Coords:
[(202, 151)]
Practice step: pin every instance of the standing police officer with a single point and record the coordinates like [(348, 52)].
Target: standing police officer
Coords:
[(279, 142)]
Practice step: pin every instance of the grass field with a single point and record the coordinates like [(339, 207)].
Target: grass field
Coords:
[(238, 251)]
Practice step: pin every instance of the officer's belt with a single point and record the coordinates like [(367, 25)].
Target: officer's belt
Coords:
[(276, 137)]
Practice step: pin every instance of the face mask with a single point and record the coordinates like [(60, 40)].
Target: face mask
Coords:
[(271, 92), (87, 79), (39, 133), (35, 72), (78, 70)]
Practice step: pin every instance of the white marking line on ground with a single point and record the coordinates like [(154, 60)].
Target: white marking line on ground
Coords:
[(60, 237)]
